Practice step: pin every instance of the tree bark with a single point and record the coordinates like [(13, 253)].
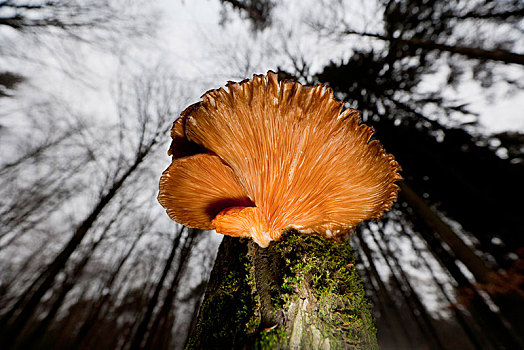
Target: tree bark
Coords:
[(302, 292)]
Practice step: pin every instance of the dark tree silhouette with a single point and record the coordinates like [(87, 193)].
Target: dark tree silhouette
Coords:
[(8, 82), (257, 11)]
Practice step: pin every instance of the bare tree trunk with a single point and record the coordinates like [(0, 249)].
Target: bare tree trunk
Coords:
[(510, 302), (96, 310), (474, 263), (299, 293), (397, 318), (473, 335), (471, 52), (141, 331), (160, 333), (31, 340), (493, 327), (416, 307), (125, 336)]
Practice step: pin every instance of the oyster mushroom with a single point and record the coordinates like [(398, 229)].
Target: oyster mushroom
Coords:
[(264, 156)]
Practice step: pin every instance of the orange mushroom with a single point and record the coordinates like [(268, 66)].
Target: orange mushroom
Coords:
[(264, 155)]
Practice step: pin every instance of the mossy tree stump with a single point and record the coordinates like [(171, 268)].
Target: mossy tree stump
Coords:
[(302, 292)]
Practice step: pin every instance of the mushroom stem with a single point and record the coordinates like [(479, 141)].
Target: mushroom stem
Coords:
[(243, 222)]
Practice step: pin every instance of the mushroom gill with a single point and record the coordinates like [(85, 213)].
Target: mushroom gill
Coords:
[(278, 155)]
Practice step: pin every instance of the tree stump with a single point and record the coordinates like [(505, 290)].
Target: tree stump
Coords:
[(302, 292)]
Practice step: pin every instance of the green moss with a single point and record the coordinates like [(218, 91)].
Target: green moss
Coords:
[(324, 271), (271, 339), (318, 291), (227, 315)]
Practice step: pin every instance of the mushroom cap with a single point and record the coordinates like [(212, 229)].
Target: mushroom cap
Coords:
[(264, 156)]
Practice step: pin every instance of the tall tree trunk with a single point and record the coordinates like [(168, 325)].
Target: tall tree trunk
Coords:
[(471, 52), (495, 330), (300, 292), (473, 335), (32, 338), (398, 320), (160, 333), (95, 312), (141, 331), (463, 252), (416, 307), (509, 302)]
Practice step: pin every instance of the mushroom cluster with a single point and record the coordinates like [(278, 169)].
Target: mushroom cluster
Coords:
[(264, 156)]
